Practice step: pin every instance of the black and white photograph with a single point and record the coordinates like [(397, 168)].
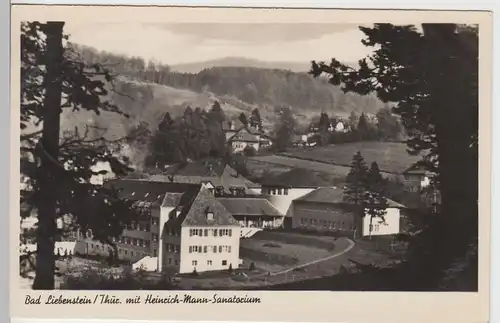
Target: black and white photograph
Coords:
[(259, 156)]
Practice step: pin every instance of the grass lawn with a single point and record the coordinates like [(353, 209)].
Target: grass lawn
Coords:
[(391, 157)]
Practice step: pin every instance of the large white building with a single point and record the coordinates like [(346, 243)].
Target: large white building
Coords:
[(197, 233)]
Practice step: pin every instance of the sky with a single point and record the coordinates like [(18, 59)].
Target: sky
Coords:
[(197, 42)]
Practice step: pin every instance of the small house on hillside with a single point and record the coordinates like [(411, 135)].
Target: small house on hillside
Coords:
[(246, 136), (416, 178), (324, 209)]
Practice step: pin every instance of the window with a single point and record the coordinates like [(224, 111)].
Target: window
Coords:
[(205, 249), (221, 232), (169, 261), (190, 249), (155, 237), (125, 252), (279, 191), (206, 232), (209, 262), (176, 262), (310, 221), (191, 232), (177, 248), (229, 249), (220, 249), (199, 249), (224, 262), (129, 241), (154, 252), (230, 231), (214, 249), (285, 191), (194, 262), (377, 227)]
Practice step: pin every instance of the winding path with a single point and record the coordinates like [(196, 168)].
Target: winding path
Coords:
[(347, 249)]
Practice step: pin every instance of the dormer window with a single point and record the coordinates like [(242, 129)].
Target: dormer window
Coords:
[(210, 215)]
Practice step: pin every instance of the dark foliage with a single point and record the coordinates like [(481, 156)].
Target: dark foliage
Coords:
[(433, 77)]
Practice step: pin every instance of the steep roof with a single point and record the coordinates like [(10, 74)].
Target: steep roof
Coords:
[(196, 213), (249, 206), (244, 134), (297, 178), (146, 191), (334, 195), (417, 169)]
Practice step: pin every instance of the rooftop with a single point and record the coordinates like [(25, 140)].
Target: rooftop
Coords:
[(249, 206), (227, 178), (298, 178), (334, 195), (202, 203), (147, 191)]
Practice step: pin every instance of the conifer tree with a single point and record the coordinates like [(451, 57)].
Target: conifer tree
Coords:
[(356, 181)]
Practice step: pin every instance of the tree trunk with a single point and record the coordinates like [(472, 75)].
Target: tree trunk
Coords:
[(45, 264)]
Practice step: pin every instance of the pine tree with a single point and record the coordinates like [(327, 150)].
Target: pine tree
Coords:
[(356, 181), (440, 113), (375, 200), (53, 78), (256, 120), (243, 119)]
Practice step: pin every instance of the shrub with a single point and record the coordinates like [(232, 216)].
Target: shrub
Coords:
[(252, 267), (100, 279), (230, 269)]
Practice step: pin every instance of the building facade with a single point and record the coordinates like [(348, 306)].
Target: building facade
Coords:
[(324, 210), (283, 189)]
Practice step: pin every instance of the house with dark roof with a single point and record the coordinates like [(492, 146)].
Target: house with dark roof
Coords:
[(253, 211), (212, 174), (324, 209), (197, 233), (416, 178), (282, 189), (240, 136)]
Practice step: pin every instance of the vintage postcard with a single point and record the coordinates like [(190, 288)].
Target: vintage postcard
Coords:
[(250, 164)]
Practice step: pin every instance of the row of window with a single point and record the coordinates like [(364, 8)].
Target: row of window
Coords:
[(325, 223), (209, 262), (206, 249), (211, 232), (275, 191), (172, 248), (138, 227), (91, 246)]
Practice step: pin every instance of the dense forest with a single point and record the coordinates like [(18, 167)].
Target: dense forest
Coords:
[(262, 87)]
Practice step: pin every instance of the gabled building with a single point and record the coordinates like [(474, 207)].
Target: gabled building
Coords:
[(253, 211), (324, 209), (197, 233)]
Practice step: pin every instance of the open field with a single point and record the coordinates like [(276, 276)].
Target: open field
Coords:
[(390, 156), (275, 164)]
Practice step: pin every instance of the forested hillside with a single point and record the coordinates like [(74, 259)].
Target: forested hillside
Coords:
[(264, 88)]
